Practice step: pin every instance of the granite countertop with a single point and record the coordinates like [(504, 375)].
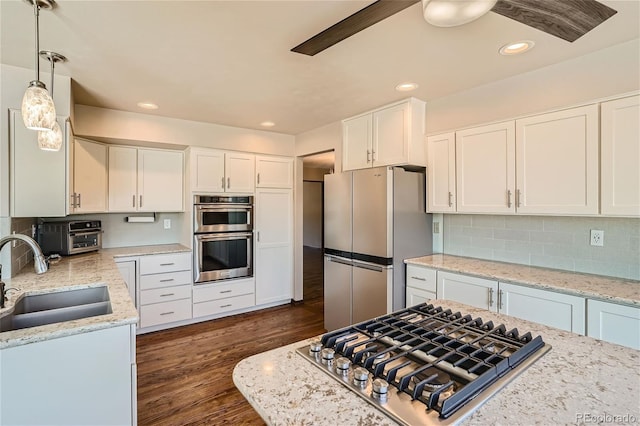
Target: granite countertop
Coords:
[(76, 272), (580, 376), (618, 290)]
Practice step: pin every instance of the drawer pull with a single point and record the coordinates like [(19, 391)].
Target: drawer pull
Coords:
[(167, 264), (168, 313), (418, 278), (225, 291), (226, 306), (167, 294), (167, 280)]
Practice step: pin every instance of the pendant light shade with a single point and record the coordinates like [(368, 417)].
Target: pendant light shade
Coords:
[(451, 13), (50, 140), (38, 111)]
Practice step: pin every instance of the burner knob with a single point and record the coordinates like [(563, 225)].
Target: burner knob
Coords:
[(360, 377), (342, 365), (327, 355), (315, 347), (380, 389)]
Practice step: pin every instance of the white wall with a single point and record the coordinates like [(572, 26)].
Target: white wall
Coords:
[(604, 73), (312, 214)]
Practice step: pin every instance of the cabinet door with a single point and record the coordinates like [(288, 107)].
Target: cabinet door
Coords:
[(415, 296), (441, 173), (356, 143), (90, 176), (390, 136), (274, 172), (160, 183), (123, 183), (614, 323), (274, 245), (38, 178), (472, 291), (557, 310), (557, 162), (620, 155), (128, 271), (207, 171), (372, 290), (485, 175), (240, 172)]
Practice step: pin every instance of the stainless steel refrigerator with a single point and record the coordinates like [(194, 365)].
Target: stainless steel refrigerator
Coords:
[(373, 220)]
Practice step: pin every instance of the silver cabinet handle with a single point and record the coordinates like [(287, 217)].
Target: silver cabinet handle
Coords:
[(418, 278), (258, 235), (133, 203), (73, 200), (450, 199), (225, 291), (141, 201), (166, 281), (228, 183), (373, 155), (500, 294), (222, 182), (509, 198), (518, 195), (167, 294), (167, 264), (168, 313), (490, 297), (225, 306), (258, 178), (79, 200), (368, 155)]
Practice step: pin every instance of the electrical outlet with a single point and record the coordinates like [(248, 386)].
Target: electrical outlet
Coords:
[(597, 238), (167, 224), (436, 227)]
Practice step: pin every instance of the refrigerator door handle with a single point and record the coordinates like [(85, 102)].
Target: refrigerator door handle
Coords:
[(368, 266), (336, 259)]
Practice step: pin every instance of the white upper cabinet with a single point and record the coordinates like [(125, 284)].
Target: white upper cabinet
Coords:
[(143, 179), (274, 172), (485, 174), (393, 135), (441, 173), (89, 177), (219, 171), (620, 157), (557, 162), (39, 183)]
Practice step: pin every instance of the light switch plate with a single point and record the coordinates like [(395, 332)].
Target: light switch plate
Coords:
[(167, 224)]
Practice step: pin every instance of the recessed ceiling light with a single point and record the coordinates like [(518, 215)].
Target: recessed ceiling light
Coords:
[(147, 105), (516, 47), (406, 87), (267, 124)]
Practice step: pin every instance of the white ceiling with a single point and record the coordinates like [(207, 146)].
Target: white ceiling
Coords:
[(228, 62)]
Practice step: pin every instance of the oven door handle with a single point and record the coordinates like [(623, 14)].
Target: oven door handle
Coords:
[(84, 233), (224, 236), (226, 208)]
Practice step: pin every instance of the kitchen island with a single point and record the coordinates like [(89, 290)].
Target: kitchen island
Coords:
[(581, 380)]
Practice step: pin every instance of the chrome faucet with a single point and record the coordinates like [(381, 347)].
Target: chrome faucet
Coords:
[(39, 261)]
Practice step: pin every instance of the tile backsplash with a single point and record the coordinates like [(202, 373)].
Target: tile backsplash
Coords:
[(21, 254), (552, 242)]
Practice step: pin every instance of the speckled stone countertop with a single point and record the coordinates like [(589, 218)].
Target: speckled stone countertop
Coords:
[(75, 272), (599, 287), (580, 381)]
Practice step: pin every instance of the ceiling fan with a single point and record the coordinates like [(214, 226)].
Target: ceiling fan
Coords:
[(566, 19)]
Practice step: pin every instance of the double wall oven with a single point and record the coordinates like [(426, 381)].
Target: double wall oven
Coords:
[(223, 237)]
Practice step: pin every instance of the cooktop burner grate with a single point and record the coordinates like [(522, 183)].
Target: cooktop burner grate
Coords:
[(435, 356)]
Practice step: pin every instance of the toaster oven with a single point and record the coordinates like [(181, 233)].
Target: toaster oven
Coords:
[(70, 237)]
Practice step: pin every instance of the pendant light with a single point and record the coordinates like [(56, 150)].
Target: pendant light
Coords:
[(51, 140), (451, 13), (38, 111)]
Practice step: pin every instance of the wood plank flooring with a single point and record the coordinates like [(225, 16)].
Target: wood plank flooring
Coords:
[(184, 374)]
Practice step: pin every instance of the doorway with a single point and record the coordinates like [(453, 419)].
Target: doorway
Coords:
[(315, 166)]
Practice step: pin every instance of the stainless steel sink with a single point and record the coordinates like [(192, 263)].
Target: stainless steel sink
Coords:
[(50, 308)]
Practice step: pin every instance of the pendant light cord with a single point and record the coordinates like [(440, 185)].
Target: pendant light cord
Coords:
[(36, 10)]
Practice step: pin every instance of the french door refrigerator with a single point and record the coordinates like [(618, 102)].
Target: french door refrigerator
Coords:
[(373, 220)]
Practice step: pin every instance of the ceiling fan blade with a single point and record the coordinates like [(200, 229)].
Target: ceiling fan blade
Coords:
[(566, 19), (355, 23)]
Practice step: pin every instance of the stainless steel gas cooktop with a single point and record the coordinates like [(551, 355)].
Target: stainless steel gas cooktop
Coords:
[(425, 365)]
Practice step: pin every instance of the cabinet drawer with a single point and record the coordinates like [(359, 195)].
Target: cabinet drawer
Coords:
[(148, 282), (166, 294), (224, 305), (161, 313), (159, 263), (223, 290), (421, 278)]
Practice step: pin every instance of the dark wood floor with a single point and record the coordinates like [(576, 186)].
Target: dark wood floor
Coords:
[(184, 374)]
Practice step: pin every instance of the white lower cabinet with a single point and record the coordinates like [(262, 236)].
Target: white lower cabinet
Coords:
[(420, 286), (614, 323), (226, 296), (84, 379), (127, 268), (558, 310)]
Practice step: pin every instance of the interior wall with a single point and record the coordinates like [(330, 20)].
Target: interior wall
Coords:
[(312, 213)]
